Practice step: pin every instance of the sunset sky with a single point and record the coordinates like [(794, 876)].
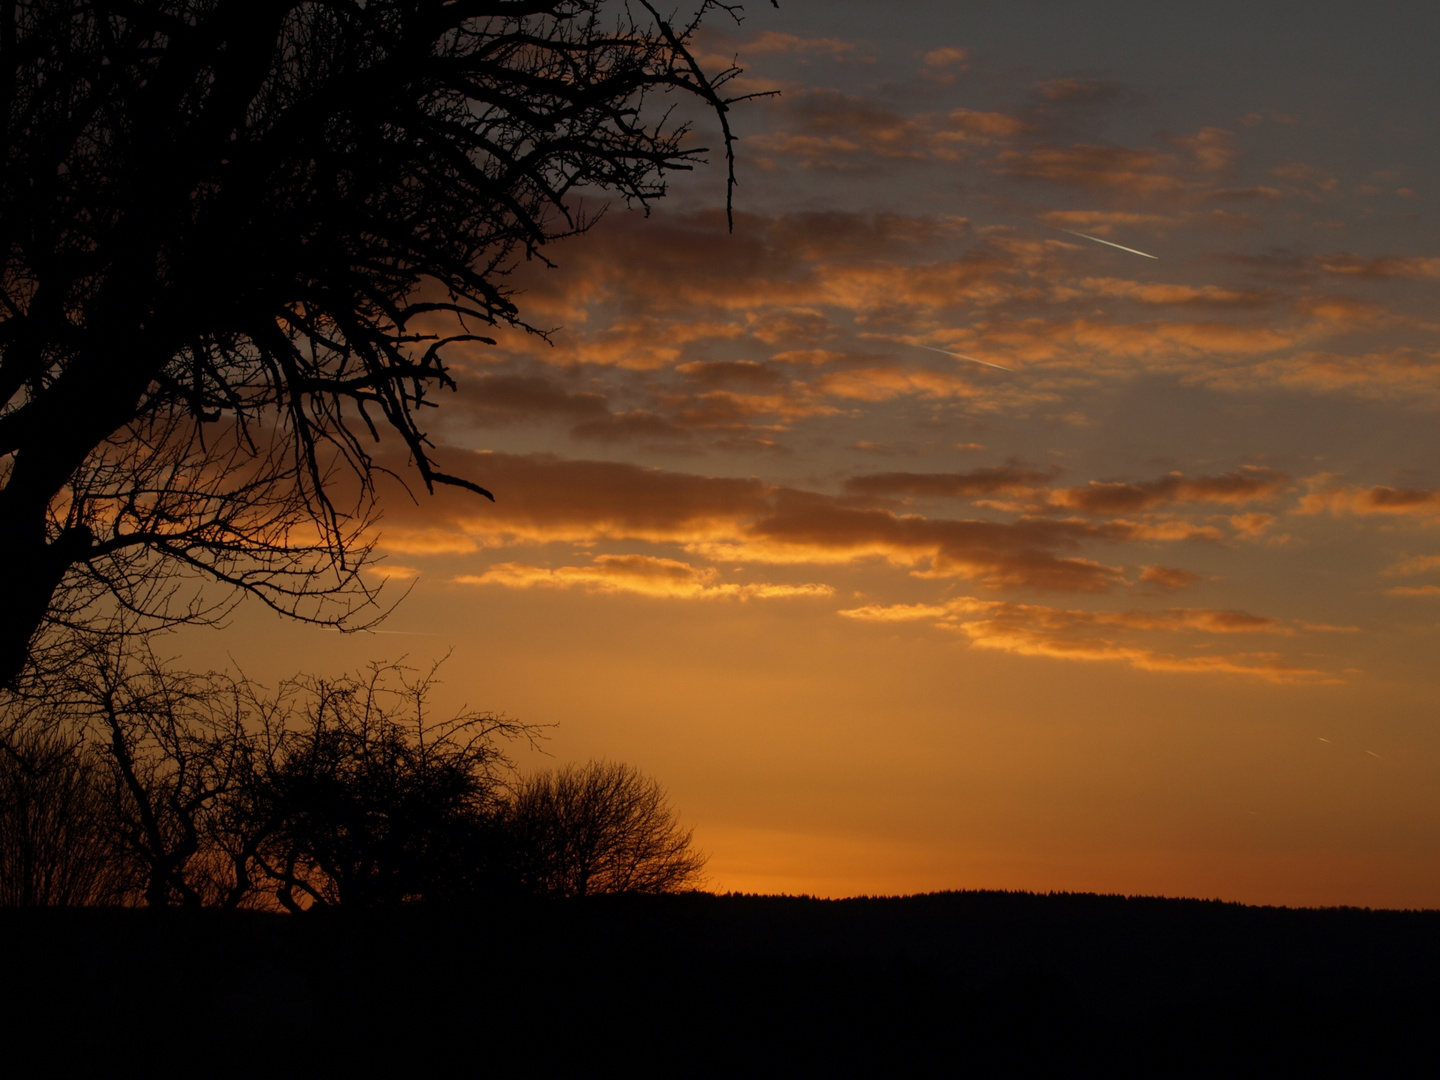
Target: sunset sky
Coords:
[(915, 540)]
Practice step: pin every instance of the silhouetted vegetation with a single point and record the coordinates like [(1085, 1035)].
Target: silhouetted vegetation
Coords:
[(600, 828), (54, 848), (137, 783), (988, 984), (237, 239)]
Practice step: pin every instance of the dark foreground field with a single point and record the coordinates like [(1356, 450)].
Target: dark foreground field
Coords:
[(986, 982)]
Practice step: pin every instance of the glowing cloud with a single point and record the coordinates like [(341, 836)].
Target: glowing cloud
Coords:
[(1338, 499), (1102, 636), (639, 574)]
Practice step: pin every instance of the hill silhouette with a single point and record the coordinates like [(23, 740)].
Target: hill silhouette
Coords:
[(982, 982)]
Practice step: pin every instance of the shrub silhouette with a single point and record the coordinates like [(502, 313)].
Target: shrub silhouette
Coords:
[(366, 803), (599, 828)]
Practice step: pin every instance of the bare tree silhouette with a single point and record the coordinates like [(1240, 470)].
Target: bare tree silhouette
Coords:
[(180, 752), (54, 849), (600, 828), (365, 801), (237, 238)]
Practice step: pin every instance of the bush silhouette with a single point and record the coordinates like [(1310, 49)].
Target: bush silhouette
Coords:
[(366, 803), (599, 828)]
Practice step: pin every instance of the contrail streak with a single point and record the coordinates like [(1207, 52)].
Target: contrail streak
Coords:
[(962, 356), (1107, 243)]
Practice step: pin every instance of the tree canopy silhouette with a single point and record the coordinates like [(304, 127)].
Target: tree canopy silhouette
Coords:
[(230, 230)]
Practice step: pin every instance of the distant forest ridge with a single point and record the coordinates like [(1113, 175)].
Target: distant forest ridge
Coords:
[(984, 982)]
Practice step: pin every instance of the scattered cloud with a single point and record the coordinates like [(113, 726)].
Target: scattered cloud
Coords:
[(1415, 564), (1112, 168), (1168, 578), (1380, 267), (812, 315), (771, 43), (1252, 525), (828, 129), (945, 57), (392, 571), (1114, 637), (1402, 376), (496, 399), (995, 480), (1071, 91), (832, 130), (1158, 294), (1332, 496), (643, 575), (1428, 591), (1105, 222), (1247, 485), (545, 499)]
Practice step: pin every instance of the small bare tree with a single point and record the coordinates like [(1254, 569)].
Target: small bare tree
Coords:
[(600, 828), (366, 801), (180, 752)]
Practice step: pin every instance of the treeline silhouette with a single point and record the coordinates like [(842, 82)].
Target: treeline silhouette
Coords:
[(324, 875), (129, 783), (986, 984)]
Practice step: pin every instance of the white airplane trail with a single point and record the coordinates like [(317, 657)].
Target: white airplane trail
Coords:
[(962, 356), (1107, 243)]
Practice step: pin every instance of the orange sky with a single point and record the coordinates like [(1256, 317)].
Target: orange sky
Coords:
[(915, 540)]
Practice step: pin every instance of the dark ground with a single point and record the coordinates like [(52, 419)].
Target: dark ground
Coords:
[(983, 983)]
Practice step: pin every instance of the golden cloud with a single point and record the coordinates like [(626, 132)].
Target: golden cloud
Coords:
[(643, 575), (1056, 633), (1339, 499), (392, 572), (545, 499)]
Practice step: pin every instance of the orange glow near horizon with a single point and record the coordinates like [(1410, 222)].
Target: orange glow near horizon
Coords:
[(1145, 601)]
